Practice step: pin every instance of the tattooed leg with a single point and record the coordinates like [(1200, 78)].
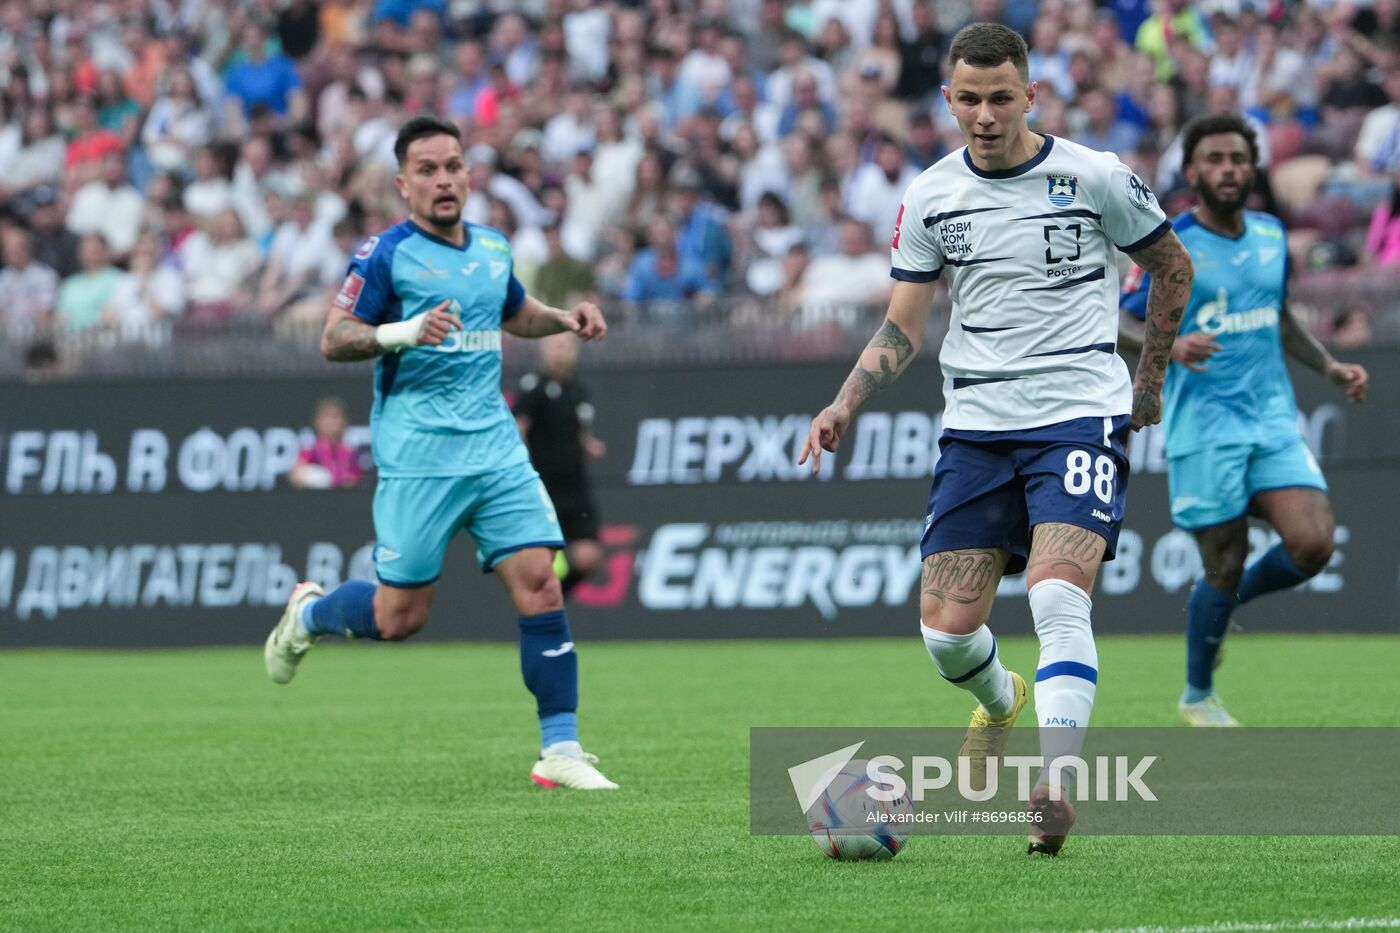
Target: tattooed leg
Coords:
[(956, 588), (1064, 552)]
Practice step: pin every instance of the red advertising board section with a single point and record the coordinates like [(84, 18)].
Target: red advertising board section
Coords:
[(150, 514)]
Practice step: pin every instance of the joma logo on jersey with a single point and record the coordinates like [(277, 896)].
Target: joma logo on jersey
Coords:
[(1062, 189), (470, 341)]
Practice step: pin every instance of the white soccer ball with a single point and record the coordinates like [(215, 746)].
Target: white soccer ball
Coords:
[(849, 824)]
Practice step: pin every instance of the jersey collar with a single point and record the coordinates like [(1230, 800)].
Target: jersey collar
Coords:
[(1015, 170), (466, 240)]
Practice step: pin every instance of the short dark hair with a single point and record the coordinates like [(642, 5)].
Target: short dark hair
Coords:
[(421, 127), (987, 45), (1211, 124)]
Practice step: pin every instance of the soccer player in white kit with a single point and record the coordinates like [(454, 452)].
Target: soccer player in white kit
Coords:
[(1024, 229)]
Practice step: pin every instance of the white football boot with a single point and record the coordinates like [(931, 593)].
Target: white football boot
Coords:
[(1207, 712), (562, 769), (289, 641)]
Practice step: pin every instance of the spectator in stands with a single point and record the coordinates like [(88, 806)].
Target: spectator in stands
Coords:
[(28, 288), (328, 462), (90, 143), (701, 235), (805, 98), (84, 296), (178, 124), (660, 273), (921, 57), (882, 55), (1049, 60), (561, 281), (39, 160), (470, 79), (220, 267), (211, 192), (765, 243), (1173, 18), (878, 187), (260, 78), (834, 288), (1101, 129), (1383, 237), (302, 259), (54, 244), (110, 206), (148, 295), (1378, 145)]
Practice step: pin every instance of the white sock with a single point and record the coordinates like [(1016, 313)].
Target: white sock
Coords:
[(571, 749), (1067, 676), (971, 662)]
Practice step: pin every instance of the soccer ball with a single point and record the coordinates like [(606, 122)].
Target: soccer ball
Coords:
[(848, 824)]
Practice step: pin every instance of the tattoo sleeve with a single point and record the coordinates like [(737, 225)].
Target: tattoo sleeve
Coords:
[(1172, 275), (1301, 345), (349, 339), (884, 358)]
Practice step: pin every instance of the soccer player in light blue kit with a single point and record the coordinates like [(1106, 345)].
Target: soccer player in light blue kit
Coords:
[(1233, 447), (429, 298)]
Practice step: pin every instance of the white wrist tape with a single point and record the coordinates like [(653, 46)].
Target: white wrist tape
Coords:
[(400, 335)]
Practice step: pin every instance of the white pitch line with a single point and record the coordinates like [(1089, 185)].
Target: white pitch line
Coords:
[(1246, 926)]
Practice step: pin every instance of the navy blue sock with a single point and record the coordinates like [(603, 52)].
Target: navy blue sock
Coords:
[(550, 668), (1274, 571), (1207, 616), (346, 610)]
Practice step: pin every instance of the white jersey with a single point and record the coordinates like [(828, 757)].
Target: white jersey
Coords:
[(1028, 254)]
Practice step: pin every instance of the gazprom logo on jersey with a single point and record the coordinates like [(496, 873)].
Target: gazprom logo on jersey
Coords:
[(1215, 317), (469, 341), (1062, 189)]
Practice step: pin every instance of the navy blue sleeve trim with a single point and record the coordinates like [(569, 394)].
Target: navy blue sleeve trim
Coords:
[(1148, 240), (908, 275), (515, 298)]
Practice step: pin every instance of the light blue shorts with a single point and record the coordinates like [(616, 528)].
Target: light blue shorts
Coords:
[(416, 517), (1214, 485)]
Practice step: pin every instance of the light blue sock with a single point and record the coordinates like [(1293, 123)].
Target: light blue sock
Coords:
[(347, 610), (1274, 571)]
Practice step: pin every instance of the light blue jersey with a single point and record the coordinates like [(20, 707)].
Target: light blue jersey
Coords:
[(438, 411), (1244, 396)]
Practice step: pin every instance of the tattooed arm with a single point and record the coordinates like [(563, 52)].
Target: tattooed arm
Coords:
[(346, 338), (1304, 347), (884, 358), (1172, 273)]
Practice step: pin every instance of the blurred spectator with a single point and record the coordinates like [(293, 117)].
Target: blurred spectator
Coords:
[(921, 57), (1378, 145), (303, 258), (805, 98), (834, 287), (28, 288), (700, 227), (54, 244), (660, 273), (561, 280), (1383, 237), (84, 296), (766, 244), (878, 187), (1049, 60), (260, 78), (1101, 129), (40, 158), (178, 124), (147, 295), (109, 205), (1351, 329), (91, 142), (220, 266), (1174, 18), (211, 191), (328, 462)]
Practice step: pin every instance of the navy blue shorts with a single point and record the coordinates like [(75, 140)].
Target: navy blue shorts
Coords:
[(990, 488)]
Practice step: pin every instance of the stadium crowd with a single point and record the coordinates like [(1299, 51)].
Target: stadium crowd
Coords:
[(165, 162)]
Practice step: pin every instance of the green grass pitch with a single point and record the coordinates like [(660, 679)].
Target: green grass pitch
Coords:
[(387, 789)]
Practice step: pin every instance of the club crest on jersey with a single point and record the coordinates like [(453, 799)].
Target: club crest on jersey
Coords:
[(366, 248), (1061, 189)]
